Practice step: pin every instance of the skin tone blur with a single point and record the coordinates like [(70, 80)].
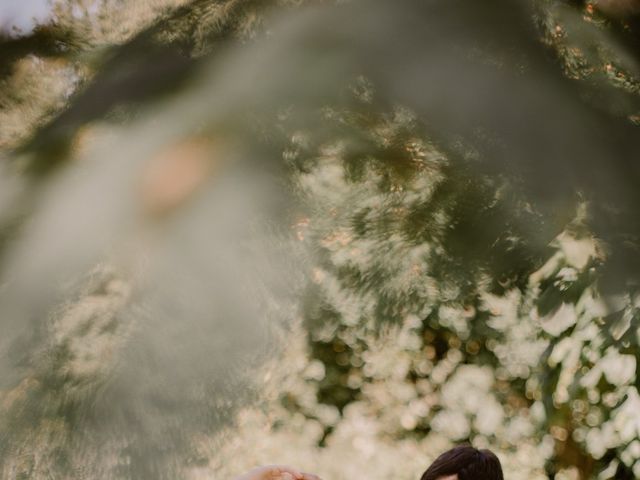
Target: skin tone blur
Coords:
[(277, 472), (284, 472)]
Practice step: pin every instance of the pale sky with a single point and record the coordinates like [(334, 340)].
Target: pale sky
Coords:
[(20, 13)]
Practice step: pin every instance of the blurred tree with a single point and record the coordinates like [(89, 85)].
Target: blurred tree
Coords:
[(465, 181)]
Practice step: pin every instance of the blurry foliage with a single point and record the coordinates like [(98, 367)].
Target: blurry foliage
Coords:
[(443, 305)]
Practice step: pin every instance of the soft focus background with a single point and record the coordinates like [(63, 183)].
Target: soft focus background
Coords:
[(342, 235)]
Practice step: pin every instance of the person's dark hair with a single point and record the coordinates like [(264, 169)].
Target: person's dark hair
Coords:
[(467, 462)]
